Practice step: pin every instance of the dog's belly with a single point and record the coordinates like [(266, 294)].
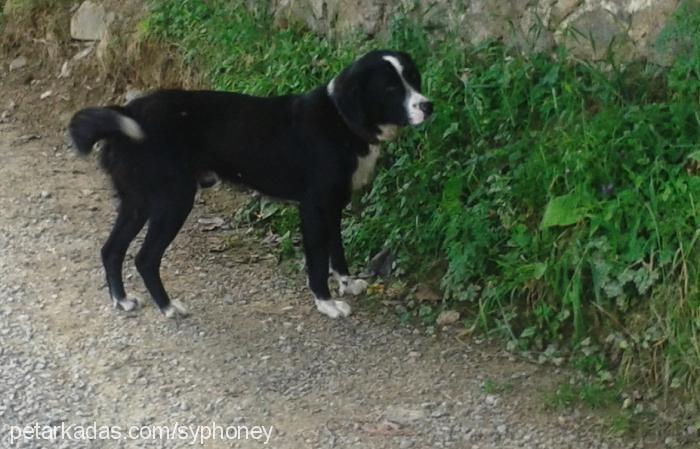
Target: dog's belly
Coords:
[(276, 185)]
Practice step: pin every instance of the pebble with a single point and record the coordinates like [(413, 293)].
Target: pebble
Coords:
[(447, 317), (403, 415), (18, 63), (492, 399), (406, 444), (65, 70)]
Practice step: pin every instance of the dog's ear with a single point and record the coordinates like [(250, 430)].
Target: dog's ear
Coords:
[(347, 94)]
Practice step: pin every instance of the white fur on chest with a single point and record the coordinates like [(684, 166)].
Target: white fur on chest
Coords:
[(365, 168)]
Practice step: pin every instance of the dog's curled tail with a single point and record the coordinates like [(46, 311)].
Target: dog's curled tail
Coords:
[(91, 125)]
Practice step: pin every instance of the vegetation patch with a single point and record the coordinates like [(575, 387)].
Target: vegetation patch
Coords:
[(551, 200)]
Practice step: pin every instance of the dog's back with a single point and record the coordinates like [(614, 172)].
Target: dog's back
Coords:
[(256, 141)]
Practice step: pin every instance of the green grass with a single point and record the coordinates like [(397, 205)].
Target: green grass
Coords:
[(497, 387), (551, 199), (605, 399)]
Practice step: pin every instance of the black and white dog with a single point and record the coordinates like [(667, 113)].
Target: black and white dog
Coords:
[(313, 149)]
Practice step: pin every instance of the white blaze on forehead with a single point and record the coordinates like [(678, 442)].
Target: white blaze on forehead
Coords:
[(413, 97), (395, 62)]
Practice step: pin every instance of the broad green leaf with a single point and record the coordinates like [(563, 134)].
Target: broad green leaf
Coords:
[(528, 332), (562, 211)]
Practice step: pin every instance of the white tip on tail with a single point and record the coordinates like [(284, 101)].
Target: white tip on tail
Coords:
[(131, 128)]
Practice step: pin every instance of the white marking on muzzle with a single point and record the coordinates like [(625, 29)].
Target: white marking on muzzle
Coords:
[(413, 98), (131, 128)]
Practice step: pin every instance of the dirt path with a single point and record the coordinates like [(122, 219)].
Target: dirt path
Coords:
[(253, 353)]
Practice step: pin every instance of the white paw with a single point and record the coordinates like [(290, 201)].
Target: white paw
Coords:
[(343, 307), (352, 286), (175, 309), (127, 304), (333, 308)]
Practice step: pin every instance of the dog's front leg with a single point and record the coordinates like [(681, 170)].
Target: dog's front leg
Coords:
[(315, 227), (339, 266)]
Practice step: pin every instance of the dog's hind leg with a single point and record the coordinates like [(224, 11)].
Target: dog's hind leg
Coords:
[(166, 219), (338, 264), (130, 220)]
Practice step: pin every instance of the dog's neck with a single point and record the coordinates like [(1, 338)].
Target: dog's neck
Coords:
[(367, 136)]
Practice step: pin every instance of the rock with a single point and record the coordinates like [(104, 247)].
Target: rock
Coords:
[(631, 26), (46, 95), (403, 415), (447, 317), (18, 63), (439, 412), (331, 16), (65, 70), (367, 15), (425, 293), (562, 9), (228, 299), (210, 223), (24, 138), (646, 25), (381, 264), (90, 22), (604, 32), (84, 52)]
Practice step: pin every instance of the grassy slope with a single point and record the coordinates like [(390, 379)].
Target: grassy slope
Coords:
[(556, 202)]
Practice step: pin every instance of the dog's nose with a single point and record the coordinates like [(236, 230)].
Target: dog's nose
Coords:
[(426, 107)]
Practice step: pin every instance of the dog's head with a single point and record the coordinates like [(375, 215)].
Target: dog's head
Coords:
[(378, 93)]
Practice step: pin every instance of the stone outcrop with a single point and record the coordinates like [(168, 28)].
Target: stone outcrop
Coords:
[(589, 28), (90, 22)]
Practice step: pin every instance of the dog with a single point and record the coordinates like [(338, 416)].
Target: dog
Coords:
[(313, 149)]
